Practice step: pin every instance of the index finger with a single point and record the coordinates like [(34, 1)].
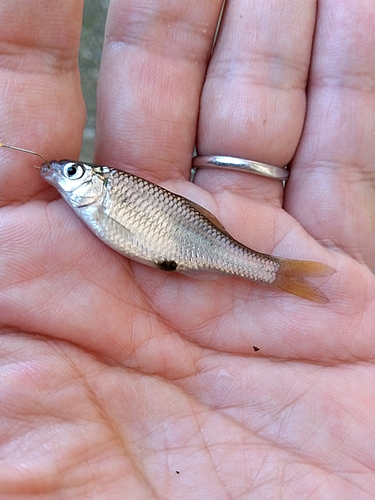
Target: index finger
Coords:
[(40, 95)]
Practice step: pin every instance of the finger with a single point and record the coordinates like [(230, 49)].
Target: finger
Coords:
[(331, 191), (154, 61), (40, 97), (253, 101)]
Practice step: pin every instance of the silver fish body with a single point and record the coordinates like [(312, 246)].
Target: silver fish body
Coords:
[(152, 225), (156, 227)]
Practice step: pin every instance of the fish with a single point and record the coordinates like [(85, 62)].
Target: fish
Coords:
[(152, 225)]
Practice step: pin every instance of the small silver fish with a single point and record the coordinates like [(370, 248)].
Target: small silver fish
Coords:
[(152, 225)]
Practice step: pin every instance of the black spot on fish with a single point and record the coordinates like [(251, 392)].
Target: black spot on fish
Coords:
[(167, 265), (256, 348)]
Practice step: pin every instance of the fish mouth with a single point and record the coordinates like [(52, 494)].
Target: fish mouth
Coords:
[(46, 167), (49, 173)]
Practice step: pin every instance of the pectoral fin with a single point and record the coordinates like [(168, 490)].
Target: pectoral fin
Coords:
[(109, 223)]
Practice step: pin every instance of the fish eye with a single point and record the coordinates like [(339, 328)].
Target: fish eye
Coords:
[(73, 170)]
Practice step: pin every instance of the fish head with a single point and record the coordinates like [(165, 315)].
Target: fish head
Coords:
[(77, 182)]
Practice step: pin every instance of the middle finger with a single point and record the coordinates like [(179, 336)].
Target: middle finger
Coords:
[(154, 61), (253, 102)]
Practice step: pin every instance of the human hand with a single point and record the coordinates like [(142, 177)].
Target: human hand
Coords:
[(120, 381)]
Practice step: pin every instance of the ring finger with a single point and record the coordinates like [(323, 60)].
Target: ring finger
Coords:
[(253, 102)]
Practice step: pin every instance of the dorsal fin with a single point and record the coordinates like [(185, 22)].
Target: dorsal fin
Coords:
[(211, 217)]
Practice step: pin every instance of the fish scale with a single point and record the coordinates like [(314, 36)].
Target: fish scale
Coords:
[(172, 229)]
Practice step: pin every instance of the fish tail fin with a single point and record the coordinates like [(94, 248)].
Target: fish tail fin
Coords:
[(293, 275)]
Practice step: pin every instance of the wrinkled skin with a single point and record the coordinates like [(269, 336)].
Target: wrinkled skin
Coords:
[(121, 381)]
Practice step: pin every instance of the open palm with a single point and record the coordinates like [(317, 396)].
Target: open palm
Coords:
[(121, 381)]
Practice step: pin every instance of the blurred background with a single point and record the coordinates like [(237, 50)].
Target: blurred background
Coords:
[(94, 16)]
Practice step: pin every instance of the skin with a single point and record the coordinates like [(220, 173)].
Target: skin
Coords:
[(121, 381)]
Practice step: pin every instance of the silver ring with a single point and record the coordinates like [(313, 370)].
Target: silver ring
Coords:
[(233, 163)]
